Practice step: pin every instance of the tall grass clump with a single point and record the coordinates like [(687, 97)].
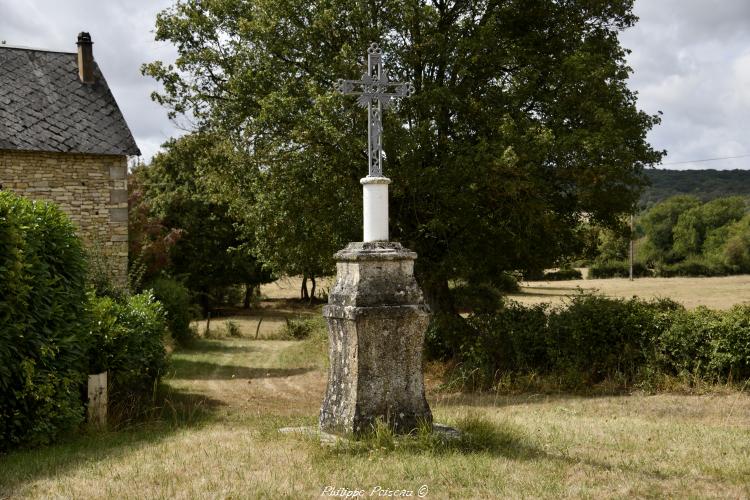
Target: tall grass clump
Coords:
[(299, 328), (232, 329)]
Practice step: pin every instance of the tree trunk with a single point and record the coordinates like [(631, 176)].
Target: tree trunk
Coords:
[(204, 301), (449, 329), (303, 295), (438, 296), (249, 290), (312, 290)]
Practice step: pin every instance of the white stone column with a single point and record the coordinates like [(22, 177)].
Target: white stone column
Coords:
[(375, 208)]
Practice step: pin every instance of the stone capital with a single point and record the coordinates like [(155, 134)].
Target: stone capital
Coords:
[(374, 180)]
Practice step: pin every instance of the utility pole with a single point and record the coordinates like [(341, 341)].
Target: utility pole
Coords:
[(632, 245)]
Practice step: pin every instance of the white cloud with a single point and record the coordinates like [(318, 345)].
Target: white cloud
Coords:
[(123, 40), (690, 61)]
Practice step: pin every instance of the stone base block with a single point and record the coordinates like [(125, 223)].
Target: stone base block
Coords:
[(376, 322)]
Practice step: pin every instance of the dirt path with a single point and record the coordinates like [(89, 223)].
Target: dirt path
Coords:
[(260, 376)]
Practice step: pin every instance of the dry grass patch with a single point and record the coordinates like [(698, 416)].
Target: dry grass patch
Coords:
[(264, 321), (289, 287), (714, 293), (529, 445)]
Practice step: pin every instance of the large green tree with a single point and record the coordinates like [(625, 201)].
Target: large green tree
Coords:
[(179, 228), (658, 224), (522, 124), (694, 225)]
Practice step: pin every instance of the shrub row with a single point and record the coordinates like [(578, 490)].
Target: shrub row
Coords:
[(52, 335), (299, 328), (617, 269), (127, 340), (693, 266), (596, 338), (43, 348), (563, 274)]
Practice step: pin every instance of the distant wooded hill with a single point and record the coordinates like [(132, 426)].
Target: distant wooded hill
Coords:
[(705, 184)]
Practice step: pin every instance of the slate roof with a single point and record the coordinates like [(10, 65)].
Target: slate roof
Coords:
[(45, 107)]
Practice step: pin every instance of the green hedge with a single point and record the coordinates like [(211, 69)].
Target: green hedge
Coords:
[(618, 269), (594, 339), (564, 274), (694, 266), (706, 344), (43, 334), (175, 297), (127, 339), (52, 335)]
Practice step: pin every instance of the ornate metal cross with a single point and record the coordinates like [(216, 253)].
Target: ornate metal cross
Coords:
[(376, 93)]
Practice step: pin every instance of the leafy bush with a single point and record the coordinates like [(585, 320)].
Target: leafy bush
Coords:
[(445, 336), (684, 347), (233, 329), (175, 298), (563, 274), (617, 269), (706, 344), (509, 340), (506, 282), (730, 356), (693, 266), (43, 337), (128, 341), (299, 328), (477, 298), (598, 337)]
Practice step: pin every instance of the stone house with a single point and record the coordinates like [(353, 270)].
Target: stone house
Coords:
[(63, 139)]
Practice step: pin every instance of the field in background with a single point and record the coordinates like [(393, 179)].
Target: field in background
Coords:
[(278, 303), (715, 293), (289, 287)]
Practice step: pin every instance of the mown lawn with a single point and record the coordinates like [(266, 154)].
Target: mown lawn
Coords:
[(216, 436)]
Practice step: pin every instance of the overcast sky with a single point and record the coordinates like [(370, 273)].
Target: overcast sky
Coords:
[(691, 60)]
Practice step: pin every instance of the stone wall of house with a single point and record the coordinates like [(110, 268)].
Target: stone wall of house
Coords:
[(91, 189)]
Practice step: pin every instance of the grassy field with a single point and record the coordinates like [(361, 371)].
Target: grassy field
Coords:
[(216, 436), (215, 432), (715, 293)]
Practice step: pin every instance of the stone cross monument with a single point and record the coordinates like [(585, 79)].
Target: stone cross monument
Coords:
[(375, 93), (376, 313)]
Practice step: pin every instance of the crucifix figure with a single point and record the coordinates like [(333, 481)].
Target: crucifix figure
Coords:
[(376, 93)]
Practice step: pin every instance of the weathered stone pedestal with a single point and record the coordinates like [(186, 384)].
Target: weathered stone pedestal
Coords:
[(376, 323)]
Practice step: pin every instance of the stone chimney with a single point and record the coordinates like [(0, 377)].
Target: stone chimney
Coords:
[(85, 58)]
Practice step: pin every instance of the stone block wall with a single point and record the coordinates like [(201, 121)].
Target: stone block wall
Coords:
[(91, 189)]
